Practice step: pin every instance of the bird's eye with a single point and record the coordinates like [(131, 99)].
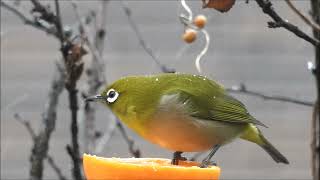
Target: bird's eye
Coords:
[(112, 95)]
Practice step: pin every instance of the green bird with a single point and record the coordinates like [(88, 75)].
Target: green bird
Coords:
[(183, 113)]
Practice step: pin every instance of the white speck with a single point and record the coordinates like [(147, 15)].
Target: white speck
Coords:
[(214, 97), (204, 79), (157, 79), (310, 65), (194, 75), (235, 88)]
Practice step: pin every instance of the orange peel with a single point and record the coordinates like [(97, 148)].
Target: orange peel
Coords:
[(99, 168)]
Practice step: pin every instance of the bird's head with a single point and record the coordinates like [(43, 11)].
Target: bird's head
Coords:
[(129, 96)]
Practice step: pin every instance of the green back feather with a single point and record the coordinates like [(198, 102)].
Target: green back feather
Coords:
[(206, 99)]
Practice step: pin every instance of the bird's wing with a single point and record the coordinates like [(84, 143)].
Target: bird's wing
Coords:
[(221, 107)]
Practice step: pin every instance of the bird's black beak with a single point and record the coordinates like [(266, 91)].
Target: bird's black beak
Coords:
[(94, 98)]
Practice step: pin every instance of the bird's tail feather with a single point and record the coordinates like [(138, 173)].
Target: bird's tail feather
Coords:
[(254, 135), (272, 151)]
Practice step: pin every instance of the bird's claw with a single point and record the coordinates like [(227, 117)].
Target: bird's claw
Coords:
[(205, 164), (177, 157)]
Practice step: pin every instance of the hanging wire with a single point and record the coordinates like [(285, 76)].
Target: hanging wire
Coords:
[(204, 50), (187, 21), (187, 8)]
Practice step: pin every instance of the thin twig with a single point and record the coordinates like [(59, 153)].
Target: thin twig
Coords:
[(74, 68), (55, 168), (59, 22), (46, 14), (17, 12), (302, 16), (74, 149), (49, 158), (26, 124), (267, 8), (95, 78), (74, 71), (142, 42), (97, 57), (16, 101), (243, 90), (28, 21), (41, 144), (135, 152), (91, 45)]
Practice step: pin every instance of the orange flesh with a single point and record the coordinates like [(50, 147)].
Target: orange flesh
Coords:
[(98, 168)]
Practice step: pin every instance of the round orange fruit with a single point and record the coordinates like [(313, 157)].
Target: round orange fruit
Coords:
[(189, 35), (200, 21)]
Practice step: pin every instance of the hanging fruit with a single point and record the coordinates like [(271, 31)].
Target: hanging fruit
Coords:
[(189, 35), (200, 21)]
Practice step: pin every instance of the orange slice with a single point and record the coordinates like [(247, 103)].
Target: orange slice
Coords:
[(99, 168)]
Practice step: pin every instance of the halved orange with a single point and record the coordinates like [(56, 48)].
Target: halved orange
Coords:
[(99, 168)]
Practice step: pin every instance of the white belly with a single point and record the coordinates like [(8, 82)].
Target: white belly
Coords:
[(180, 132)]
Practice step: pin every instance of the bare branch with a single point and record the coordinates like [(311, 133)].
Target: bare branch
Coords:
[(101, 28), (267, 8), (27, 125), (59, 23), (96, 78), (142, 42), (17, 12), (55, 167), (45, 13), (33, 136), (41, 144), (73, 150), (97, 57), (28, 21), (72, 54), (243, 90), (91, 45), (95, 73), (303, 17), (135, 152)]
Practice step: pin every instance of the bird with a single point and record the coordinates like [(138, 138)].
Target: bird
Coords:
[(183, 113)]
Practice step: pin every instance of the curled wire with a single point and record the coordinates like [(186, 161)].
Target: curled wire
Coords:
[(204, 50), (187, 8), (187, 21)]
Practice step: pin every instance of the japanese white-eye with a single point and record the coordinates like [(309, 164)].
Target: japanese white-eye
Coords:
[(183, 113)]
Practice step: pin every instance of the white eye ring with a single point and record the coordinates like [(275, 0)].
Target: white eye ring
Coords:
[(112, 95)]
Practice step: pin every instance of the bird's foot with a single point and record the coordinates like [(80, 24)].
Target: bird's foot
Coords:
[(177, 157), (206, 163)]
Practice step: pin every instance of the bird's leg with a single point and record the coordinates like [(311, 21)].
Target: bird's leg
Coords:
[(176, 157), (206, 162)]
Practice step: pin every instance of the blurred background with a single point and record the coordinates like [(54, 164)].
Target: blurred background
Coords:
[(242, 50)]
